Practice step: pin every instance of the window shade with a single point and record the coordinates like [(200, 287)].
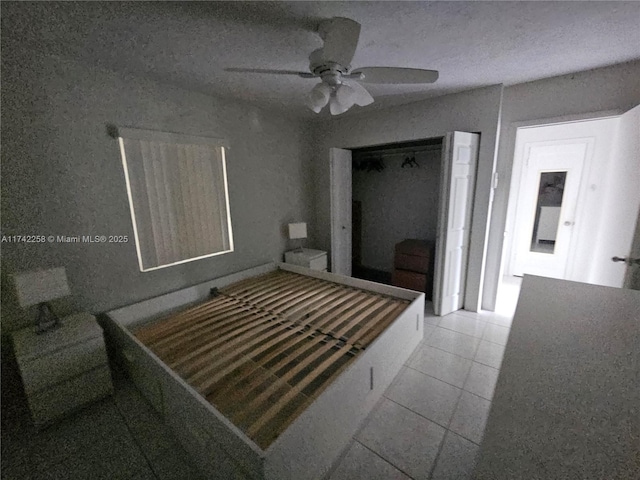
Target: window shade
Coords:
[(178, 196)]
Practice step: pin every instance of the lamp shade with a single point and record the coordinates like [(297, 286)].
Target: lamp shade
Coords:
[(41, 286), (297, 230), (318, 97), (360, 95)]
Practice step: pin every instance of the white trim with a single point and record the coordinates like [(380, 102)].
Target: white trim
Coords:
[(169, 137), (226, 197), (517, 170), (582, 117), (185, 261), (510, 137), (130, 195)]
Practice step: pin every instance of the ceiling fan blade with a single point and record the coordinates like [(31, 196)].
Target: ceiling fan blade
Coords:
[(276, 72), (340, 36), (395, 75), (360, 95)]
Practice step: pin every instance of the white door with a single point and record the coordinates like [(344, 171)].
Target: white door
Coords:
[(632, 274), (340, 165), (621, 203), (547, 204), (457, 182)]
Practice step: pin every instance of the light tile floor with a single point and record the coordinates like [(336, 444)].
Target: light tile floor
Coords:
[(427, 426), (120, 437), (430, 422)]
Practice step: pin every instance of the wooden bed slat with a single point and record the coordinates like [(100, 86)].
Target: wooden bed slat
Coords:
[(375, 329), (201, 342), (255, 402), (203, 387), (273, 410), (262, 289), (277, 430), (217, 321), (195, 361), (149, 333), (265, 347), (299, 335)]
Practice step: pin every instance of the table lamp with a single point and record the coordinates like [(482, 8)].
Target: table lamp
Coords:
[(298, 231), (38, 288)]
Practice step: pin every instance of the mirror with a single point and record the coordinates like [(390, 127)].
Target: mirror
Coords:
[(547, 213)]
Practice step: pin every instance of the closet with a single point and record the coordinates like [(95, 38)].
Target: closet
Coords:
[(395, 192)]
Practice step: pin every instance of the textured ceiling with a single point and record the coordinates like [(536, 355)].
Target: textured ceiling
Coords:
[(188, 44)]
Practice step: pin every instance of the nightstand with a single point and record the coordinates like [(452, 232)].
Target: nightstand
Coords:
[(313, 259), (63, 369)]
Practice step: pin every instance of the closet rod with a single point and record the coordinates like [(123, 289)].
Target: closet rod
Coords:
[(368, 155)]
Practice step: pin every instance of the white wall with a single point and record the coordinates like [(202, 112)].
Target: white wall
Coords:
[(611, 88), (473, 111), (62, 175), (397, 203)]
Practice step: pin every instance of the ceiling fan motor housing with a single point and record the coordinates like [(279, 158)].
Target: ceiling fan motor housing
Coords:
[(330, 72)]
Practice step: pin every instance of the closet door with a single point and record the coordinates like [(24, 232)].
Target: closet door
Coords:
[(340, 211), (457, 183)]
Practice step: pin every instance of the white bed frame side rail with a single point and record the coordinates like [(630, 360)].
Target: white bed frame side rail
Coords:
[(311, 444)]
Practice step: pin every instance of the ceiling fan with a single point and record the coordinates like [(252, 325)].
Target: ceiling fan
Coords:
[(339, 86)]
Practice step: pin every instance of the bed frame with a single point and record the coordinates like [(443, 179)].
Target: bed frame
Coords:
[(197, 375)]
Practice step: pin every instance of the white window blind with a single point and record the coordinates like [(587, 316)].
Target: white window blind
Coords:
[(177, 187)]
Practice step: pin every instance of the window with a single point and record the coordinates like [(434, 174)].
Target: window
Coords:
[(178, 195)]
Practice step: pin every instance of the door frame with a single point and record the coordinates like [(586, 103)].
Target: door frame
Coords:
[(448, 163), (332, 193), (506, 257), (335, 215), (521, 238)]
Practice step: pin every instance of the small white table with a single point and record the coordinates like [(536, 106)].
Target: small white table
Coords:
[(306, 257), (63, 369)]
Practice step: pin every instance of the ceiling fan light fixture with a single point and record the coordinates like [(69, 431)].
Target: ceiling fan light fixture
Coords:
[(318, 97), (342, 100), (332, 64), (361, 96), (345, 95), (335, 107)]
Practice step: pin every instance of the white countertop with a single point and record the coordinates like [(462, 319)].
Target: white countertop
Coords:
[(567, 401)]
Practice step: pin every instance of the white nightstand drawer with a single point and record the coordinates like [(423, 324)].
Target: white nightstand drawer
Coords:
[(60, 399), (41, 372), (306, 257), (318, 263), (76, 328)]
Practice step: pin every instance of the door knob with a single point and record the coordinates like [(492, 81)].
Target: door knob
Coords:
[(568, 223), (627, 261)]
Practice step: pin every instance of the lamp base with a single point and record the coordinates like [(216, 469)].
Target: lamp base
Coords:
[(47, 320)]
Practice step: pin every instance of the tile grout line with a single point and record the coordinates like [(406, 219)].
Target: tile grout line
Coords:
[(436, 378), (472, 360), (435, 463), (456, 331), (385, 460), (471, 336), (414, 412), (446, 427), (135, 440)]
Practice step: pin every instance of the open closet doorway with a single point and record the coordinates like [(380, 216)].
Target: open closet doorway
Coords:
[(574, 198), (405, 218), (395, 191)]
